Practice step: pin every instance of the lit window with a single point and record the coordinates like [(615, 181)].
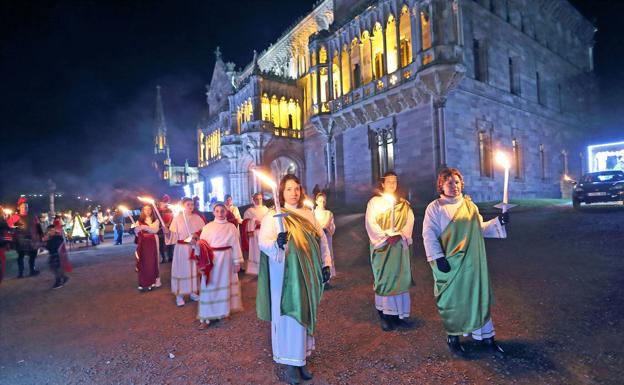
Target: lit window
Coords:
[(391, 45), (485, 154)]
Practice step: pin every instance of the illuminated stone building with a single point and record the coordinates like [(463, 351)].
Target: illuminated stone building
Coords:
[(356, 88), (168, 172)]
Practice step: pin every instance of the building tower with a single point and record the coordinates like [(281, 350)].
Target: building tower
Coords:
[(162, 160)]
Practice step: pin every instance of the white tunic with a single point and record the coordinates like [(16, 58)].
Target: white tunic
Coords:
[(399, 304), (290, 340), (236, 212), (325, 218), (255, 215), (221, 295), (183, 269), (438, 215)]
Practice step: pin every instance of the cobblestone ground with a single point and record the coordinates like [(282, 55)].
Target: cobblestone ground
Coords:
[(558, 282)]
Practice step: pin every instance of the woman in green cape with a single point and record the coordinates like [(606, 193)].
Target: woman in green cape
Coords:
[(453, 232), (294, 265), (389, 224)]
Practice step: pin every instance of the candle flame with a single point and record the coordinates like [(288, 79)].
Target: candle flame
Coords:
[(8, 211), (389, 197), (264, 179), (146, 200), (502, 159)]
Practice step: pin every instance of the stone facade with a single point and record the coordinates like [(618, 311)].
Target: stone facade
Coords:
[(357, 88)]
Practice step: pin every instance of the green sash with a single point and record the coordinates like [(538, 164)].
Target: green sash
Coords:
[(303, 278), (463, 295), (391, 264)]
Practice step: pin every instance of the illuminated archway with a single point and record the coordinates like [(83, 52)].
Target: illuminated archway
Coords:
[(283, 112), (275, 111), (367, 74), (356, 66), (405, 37), (346, 83), (425, 29), (266, 108), (391, 45), (377, 50), (336, 89)]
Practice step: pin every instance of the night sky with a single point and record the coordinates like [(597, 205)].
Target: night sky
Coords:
[(78, 82)]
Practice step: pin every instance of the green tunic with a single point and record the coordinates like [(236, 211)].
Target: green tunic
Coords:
[(303, 278), (391, 265), (463, 295)]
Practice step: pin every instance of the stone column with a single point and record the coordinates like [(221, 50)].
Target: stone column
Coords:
[(439, 125)]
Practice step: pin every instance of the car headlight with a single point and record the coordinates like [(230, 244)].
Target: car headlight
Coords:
[(578, 189)]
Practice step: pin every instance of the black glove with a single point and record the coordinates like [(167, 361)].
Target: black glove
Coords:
[(503, 218), (282, 239), (326, 274), (443, 265)]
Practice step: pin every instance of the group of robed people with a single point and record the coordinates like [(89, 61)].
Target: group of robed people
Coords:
[(293, 257)]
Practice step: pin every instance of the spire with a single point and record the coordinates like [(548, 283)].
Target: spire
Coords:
[(159, 116), (256, 67), (217, 53)]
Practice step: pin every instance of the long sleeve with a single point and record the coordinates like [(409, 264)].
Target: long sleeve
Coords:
[(326, 259), (237, 252), (376, 234), (492, 228), (331, 227), (154, 227), (267, 238), (431, 232)]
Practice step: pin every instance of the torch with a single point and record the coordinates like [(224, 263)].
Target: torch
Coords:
[(176, 209), (125, 210), (7, 212), (278, 209), (392, 200), (309, 204), (151, 201), (502, 159)]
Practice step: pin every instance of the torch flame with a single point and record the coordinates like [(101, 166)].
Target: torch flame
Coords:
[(502, 159), (8, 211), (146, 200), (123, 209), (566, 178), (308, 203), (264, 179)]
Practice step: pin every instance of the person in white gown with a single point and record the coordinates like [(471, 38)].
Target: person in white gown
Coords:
[(325, 218), (184, 230), (294, 265), (253, 218), (219, 263)]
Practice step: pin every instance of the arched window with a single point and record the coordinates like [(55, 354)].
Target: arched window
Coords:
[(367, 74), (292, 114), (391, 45), (324, 84), (405, 37), (266, 108), (356, 66), (312, 58), (298, 117), (346, 82), (313, 81), (249, 110), (238, 119), (283, 113), (322, 55), (275, 111), (425, 29), (377, 51), (336, 74)]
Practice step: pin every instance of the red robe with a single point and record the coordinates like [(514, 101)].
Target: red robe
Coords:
[(147, 258)]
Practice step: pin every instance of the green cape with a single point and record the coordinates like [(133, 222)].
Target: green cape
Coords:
[(302, 287)]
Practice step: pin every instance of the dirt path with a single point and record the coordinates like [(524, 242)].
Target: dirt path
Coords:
[(559, 313)]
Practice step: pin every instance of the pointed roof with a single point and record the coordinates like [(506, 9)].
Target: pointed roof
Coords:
[(159, 115)]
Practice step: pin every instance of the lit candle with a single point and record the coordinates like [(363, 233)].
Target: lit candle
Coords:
[(151, 201), (125, 210), (502, 159), (278, 209)]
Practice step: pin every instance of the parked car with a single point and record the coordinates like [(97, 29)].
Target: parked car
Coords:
[(602, 186)]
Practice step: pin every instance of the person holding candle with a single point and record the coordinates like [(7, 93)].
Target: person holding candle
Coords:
[(325, 218), (252, 220), (389, 224), (219, 262), (146, 252), (184, 231), (453, 232), (294, 264), (166, 248)]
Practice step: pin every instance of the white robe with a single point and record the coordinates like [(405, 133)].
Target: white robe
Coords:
[(290, 340), (236, 212), (325, 218), (255, 215), (184, 270), (399, 304), (438, 215), (221, 295)]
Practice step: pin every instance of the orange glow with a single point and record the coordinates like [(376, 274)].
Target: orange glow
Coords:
[(502, 159)]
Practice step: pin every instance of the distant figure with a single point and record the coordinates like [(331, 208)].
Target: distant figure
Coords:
[(229, 204), (27, 237), (94, 224), (166, 249), (251, 230), (316, 189), (58, 261), (325, 218), (118, 221), (5, 242)]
